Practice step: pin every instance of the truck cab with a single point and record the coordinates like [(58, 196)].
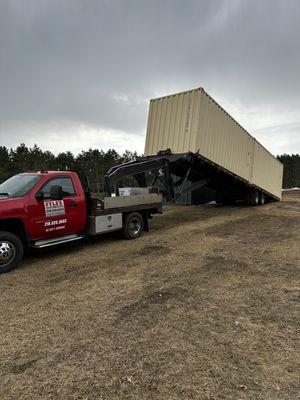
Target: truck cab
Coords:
[(38, 206)]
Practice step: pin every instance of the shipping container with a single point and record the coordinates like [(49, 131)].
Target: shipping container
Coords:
[(192, 121)]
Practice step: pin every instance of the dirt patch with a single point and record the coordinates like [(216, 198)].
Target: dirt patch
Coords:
[(154, 249), (156, 297), (221, 265), (18, 368), (71, 273)]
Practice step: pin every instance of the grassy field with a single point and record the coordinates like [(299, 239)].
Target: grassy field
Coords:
[(204, 306)]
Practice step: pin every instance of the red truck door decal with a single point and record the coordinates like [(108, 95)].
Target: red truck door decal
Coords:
[(54, 208)]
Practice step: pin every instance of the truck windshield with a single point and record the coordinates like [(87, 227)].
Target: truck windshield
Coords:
[(18, 185)]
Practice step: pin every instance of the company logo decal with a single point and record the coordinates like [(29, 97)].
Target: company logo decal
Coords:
[(54, 208)]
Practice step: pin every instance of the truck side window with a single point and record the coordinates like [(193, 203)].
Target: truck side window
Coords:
[(66, 184)]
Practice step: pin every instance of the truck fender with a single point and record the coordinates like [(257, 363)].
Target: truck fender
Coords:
[(16, 226)]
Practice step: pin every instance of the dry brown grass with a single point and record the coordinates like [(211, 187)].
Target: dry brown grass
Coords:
[(205, 306)]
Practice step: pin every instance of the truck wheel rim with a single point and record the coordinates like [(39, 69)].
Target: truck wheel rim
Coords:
[(7, 253), (135, 226)]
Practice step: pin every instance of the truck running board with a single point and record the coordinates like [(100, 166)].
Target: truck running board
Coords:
[(58, 240)]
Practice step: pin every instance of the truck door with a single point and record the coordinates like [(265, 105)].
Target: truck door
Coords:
[(50, 217)]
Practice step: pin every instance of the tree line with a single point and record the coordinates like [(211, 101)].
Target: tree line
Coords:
[(94, 163), (291, 170)]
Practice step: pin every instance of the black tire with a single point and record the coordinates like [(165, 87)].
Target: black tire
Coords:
[(133, 226), (262, 198), (255, 197), (11, 251)]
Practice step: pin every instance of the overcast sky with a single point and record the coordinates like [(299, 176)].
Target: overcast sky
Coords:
[(76, 74)]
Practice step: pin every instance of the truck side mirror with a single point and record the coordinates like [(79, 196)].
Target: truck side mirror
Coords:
[(56, 192), (39, 196)]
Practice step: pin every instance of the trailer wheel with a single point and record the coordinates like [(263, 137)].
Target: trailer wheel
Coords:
[(133, 226), (262, 198), (255, 198), (11, 251)]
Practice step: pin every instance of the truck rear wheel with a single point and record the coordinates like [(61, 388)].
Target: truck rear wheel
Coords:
[(133, 226), (11, 251)]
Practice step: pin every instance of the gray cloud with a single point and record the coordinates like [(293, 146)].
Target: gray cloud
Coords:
[(70, 68)]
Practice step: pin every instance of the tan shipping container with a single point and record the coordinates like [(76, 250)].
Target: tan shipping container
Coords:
[(193, 121)]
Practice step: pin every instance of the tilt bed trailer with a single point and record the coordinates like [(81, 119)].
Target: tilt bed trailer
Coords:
[(42, 209), (177, 174), (193, 143)]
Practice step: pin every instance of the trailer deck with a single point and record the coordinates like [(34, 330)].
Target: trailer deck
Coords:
[(172, 171)]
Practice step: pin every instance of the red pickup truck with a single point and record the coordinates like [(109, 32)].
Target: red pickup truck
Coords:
[(43, 209)]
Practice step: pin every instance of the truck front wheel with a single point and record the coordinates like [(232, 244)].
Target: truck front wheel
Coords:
[(133, 226), (11, 251)]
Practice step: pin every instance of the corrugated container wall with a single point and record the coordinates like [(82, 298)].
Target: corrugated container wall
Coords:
[(193, 121)]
